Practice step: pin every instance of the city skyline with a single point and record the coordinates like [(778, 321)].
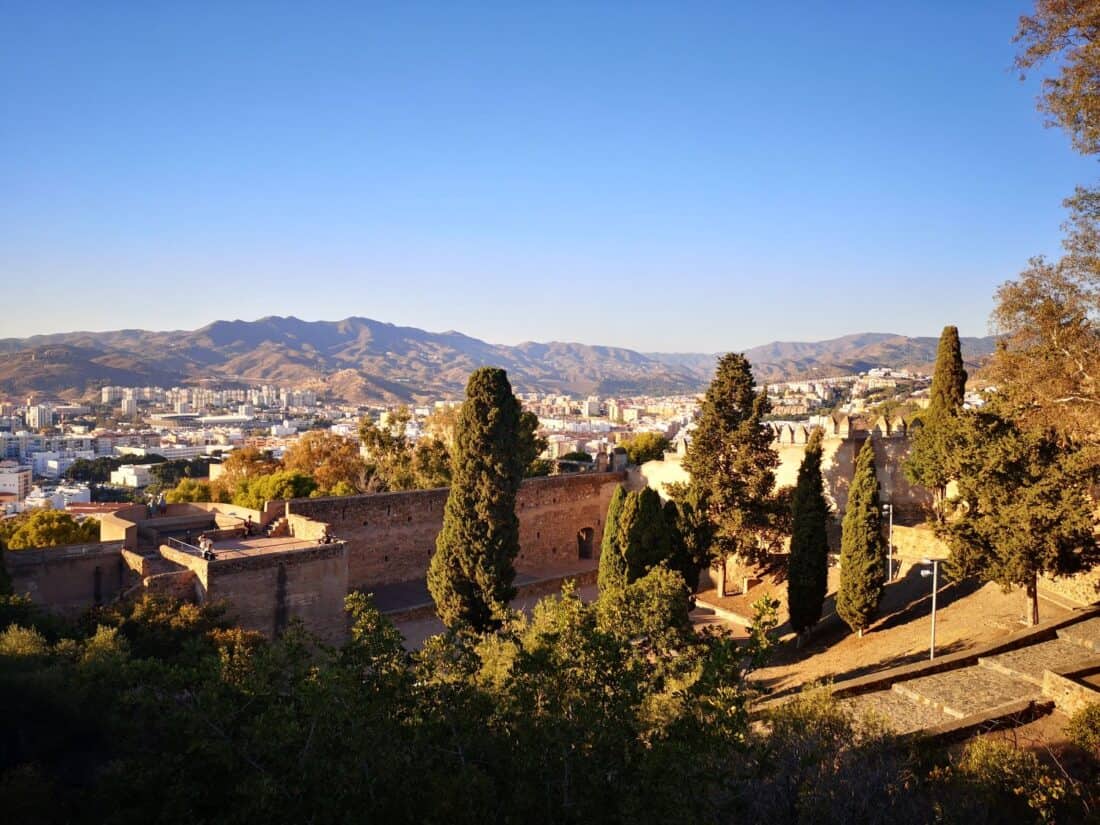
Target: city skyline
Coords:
[(691, 180)]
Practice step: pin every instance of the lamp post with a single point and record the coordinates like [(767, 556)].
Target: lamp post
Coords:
[(888, 510), (935, 574)]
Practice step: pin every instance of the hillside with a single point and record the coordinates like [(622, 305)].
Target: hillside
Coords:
[(358, 359), (788, 360)]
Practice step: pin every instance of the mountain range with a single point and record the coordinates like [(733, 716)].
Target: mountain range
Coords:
[(360, 360)]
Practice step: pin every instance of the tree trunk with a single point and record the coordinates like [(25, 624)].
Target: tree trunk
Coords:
[(721, 588), (1033, 600)]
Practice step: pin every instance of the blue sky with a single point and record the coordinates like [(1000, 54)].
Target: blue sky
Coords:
[(664, 176)]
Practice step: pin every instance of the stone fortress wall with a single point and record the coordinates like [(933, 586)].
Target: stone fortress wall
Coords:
[(839, 453), (375, 540), (391, 536)]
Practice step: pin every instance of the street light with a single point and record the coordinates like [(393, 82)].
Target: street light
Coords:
[(935, 574), (888, 510)]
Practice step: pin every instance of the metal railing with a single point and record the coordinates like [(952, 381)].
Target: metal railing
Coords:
[(177, 544)]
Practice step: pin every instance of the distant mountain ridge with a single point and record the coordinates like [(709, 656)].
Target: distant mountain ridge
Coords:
[(359, 359), (791, 360)]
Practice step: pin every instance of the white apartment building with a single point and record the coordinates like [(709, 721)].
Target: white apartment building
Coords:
[(39, 416), (132, 475), (15, 479)]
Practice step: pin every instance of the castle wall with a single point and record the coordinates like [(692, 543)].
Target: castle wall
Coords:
[(837, 465), (391, 536), (265, 591), (69, 579)]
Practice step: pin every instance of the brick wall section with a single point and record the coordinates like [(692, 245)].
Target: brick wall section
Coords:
[(391, 536), (69, 579)]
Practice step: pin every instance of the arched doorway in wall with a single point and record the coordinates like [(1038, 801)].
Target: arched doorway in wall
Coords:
[(585, 539)]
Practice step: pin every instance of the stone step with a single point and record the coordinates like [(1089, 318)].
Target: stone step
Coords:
[(897, 712), (1086, 634), (1028, 663), (965, 691)]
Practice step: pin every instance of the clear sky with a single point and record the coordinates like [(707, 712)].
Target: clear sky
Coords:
[(668, 176)]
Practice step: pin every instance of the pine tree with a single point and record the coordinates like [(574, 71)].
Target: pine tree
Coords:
[(732, 464), (862, 549), (612, 572), (930, 456), (1025, 508), (470, 576), (807, 574)]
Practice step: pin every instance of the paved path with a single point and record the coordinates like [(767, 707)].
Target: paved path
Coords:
[(998, 680)]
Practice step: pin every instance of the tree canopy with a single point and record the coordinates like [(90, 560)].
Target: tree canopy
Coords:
[(329, 458), (1063, 33), (1024, 507), (253, 491), (46, 528), (645, 447)]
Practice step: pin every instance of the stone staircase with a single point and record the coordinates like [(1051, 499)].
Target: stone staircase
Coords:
[(280, 528), (1086, 634), (996, 682)]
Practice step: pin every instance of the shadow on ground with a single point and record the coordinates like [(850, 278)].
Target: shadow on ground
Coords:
[(905, 600)]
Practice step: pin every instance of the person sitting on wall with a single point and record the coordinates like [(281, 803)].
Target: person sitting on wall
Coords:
[(326, 537)]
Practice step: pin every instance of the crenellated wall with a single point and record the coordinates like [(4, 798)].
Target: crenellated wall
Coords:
[(391, 536), (837, 466)]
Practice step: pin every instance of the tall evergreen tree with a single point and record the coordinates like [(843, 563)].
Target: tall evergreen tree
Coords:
[(612, 573), (931, 447), (732, 464), (862, 548), (1024, 506), (808, 567), (643, 534), (637, 537), (689, 535), (949, 377), (470, 576)]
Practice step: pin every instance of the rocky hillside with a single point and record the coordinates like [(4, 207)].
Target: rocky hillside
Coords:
[(358, 359)]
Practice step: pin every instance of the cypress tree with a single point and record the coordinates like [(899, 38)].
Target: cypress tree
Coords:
[(643, 534), (470, 576), (685, 545), (949, 379), (808, 567), (929, 461), (612, 572), (862, 549)]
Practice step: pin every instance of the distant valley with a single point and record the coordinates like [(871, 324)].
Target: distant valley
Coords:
[(362, 360)]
